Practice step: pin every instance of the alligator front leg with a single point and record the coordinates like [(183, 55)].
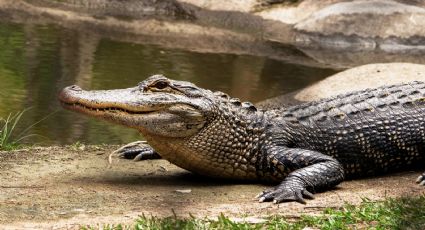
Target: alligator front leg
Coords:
[(310, 172), (137, 151)]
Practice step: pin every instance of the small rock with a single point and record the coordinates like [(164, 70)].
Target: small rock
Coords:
[(82, 147), (163, 169), (78, 210), (183, 190)]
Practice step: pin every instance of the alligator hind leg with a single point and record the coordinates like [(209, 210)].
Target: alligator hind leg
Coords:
[(421, 179), (138, 151)]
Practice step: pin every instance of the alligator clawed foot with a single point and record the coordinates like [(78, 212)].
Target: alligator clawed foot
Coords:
[(421, 179), (131, 150), (137, 151), (281, 194)]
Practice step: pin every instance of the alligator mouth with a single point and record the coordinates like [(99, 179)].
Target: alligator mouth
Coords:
[(92, 109)]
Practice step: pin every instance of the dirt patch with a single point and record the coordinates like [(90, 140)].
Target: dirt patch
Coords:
[(64, 187)]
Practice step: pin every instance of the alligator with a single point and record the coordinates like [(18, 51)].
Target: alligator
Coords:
[(308, 148)]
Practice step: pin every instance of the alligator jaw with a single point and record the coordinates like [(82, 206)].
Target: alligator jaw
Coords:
[(93, 109), (100, 103)]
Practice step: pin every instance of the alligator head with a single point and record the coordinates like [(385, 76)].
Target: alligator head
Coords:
[(157, 106), (194, 128)]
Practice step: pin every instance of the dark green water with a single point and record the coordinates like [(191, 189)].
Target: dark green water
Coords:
[(37, 61)]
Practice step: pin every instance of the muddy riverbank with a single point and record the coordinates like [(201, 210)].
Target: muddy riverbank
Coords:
[(68, 186)]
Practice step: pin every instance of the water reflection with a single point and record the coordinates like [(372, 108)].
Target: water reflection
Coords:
[(38, 60)]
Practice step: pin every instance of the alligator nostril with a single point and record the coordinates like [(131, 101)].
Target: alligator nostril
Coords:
[(75, 87)]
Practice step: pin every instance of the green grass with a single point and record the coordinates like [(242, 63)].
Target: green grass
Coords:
[(9, 140), (8, 126), (401, 213)]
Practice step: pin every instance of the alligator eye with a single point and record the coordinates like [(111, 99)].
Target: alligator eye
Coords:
[(160, 85)]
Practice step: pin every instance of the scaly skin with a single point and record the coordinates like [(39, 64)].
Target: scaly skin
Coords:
[(308, 148)]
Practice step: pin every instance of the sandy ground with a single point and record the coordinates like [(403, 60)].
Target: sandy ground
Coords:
[(65, 187)]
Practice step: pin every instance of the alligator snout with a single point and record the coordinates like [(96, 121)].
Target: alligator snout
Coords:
[(67, 94), (73, 87)]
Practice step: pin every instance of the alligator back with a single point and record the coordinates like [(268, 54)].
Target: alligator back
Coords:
[(369, 132)]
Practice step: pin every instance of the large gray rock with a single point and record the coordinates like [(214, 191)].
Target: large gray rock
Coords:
[(239, 27), (365, 24), (363, 77), (294, 13), (358, 78), (128, 9)]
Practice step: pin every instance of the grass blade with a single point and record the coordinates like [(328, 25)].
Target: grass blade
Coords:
[(9, 126)]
